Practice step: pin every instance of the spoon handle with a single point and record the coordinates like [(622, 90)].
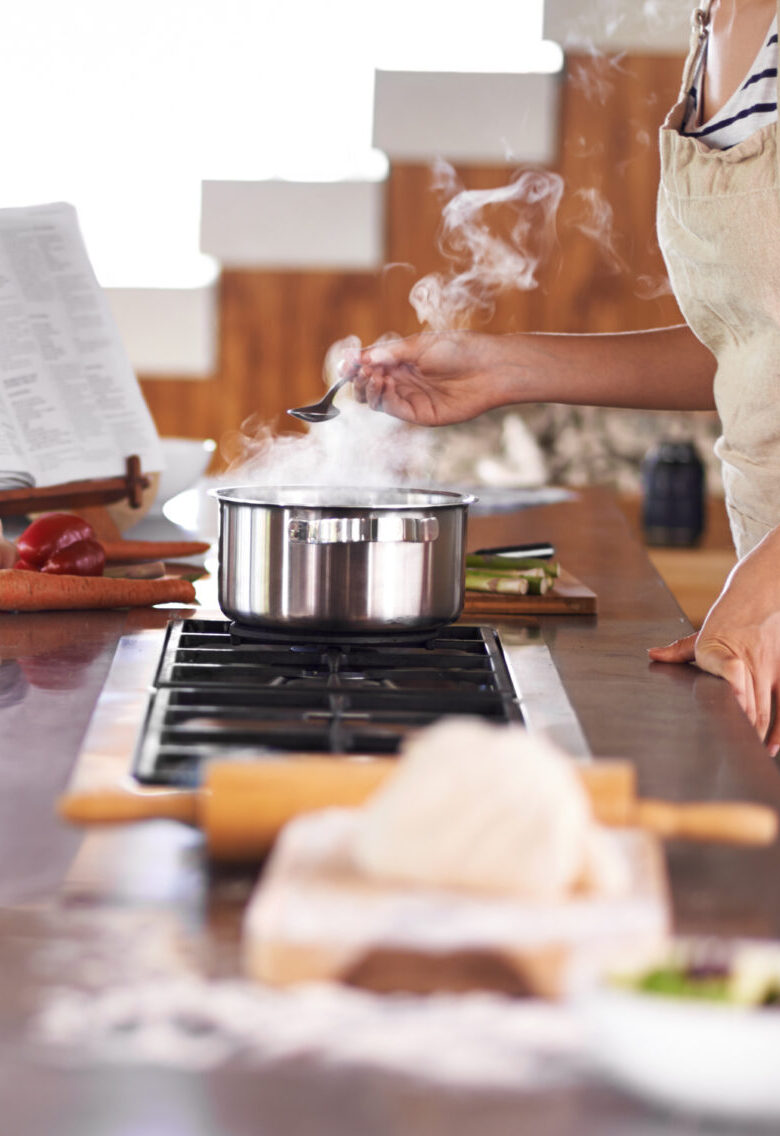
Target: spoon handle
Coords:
[(319, 411), (331, 393)]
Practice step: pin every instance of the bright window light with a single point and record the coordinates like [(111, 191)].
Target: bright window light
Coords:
[(123, 108)]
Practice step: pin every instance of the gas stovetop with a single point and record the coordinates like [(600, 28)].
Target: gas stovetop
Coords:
[(219, 695), (177, 697)]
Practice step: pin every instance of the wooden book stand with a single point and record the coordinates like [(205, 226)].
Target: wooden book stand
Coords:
[(87, 498)]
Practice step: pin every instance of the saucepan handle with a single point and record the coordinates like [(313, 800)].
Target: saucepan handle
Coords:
[(363, 530)]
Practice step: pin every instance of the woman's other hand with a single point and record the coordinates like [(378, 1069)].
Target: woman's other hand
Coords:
[(434, 378), (740, 638)]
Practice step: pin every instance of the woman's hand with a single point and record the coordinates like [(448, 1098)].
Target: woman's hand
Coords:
[(740, 638), (434, 378)]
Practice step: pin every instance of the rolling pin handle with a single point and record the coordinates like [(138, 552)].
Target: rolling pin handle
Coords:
[(731, 823), (119, 806)]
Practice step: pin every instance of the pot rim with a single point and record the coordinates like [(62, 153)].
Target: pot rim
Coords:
[(316, 497)]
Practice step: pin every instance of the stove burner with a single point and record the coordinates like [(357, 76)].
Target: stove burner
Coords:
[(246, 633), (216, 697)]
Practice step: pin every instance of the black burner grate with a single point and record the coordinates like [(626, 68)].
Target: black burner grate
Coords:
[(240, 633), (215, 697)]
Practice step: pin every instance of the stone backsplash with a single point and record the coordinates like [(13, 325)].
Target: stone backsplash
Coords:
[(568, 445)]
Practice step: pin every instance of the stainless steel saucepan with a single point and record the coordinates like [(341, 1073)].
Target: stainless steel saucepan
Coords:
[(344, 560)]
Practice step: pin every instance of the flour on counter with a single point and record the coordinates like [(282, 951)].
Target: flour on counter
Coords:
[(193, 1024), (132, 988)]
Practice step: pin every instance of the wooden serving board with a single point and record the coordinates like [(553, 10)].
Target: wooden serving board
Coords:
[(314, 917), (569, 597)]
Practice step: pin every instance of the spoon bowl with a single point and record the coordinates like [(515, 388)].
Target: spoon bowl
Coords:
[(323, 410)]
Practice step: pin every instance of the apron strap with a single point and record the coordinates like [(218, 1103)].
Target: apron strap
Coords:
[(700, 30)]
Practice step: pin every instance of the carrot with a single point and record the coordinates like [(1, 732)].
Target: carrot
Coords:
[(36, 591), (133, 551)]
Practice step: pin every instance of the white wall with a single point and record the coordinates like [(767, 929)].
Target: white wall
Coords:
[(467, 117), (292, 224), (619, 25), (168, 331)]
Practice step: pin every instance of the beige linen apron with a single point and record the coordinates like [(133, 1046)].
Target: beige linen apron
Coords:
[(719, 231)]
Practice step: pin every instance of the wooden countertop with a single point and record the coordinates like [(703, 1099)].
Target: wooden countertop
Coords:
[(694, 575), (682, 728)]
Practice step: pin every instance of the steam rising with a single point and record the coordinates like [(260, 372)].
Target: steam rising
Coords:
[(595, 83), (609, 19), (359, 448), (653, 287), (596, 220), (617, 26), (494, 241), (485, 261)]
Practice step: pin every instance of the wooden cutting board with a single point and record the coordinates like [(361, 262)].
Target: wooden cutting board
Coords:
[(314, 917), (569, 597)]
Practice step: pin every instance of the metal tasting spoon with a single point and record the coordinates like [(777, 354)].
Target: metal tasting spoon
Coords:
[(323, 410)]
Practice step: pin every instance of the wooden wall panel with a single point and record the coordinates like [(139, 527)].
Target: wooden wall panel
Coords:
[(275, 327)]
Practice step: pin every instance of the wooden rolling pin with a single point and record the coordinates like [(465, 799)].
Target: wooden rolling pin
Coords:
[(243, 804)]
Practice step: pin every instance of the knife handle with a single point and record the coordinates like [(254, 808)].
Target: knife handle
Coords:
[(728, 823), (540, 550)]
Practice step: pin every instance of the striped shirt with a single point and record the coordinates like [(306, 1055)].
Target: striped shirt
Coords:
[(753, 104)]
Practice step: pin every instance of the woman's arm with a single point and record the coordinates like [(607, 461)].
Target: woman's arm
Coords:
[(437, 378), (740, 638)]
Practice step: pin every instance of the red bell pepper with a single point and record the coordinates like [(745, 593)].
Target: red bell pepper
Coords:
[(82, 558), (51, 533), (61, 544)]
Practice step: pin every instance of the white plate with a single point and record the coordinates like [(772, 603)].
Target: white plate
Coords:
[(186, 461), (706, 1057), (195, 511)]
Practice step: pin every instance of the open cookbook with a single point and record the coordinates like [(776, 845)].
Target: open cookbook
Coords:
[(70, 404)]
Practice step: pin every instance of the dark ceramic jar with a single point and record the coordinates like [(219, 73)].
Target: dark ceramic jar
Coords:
[(673, 495)]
